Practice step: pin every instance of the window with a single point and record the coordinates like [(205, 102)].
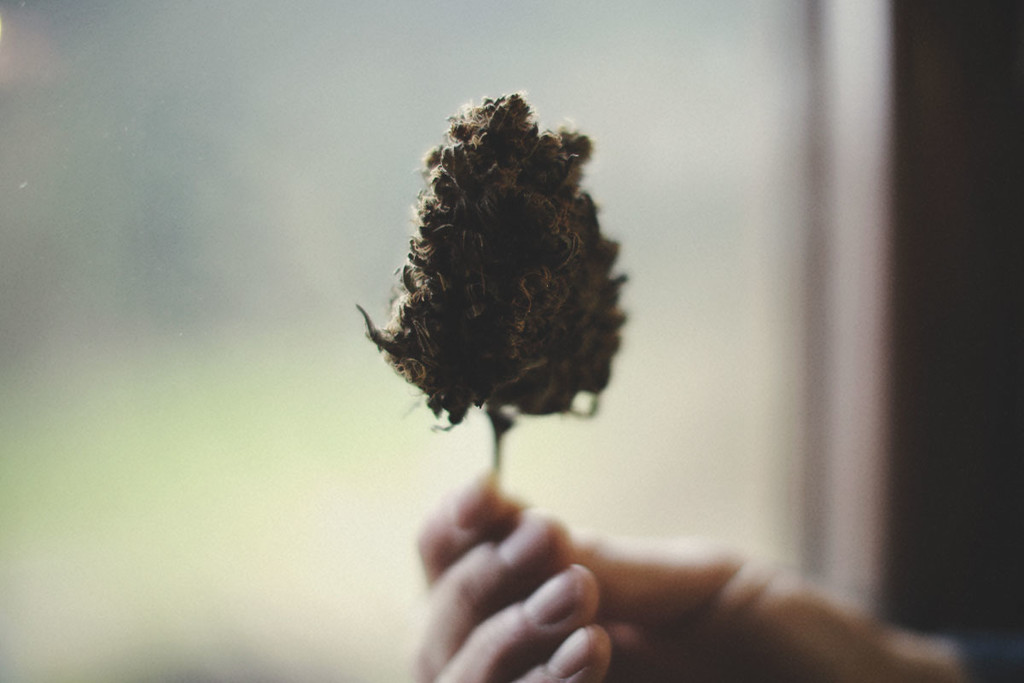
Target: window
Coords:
[(206, 467)]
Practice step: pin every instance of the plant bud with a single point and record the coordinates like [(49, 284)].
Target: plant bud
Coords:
[(507, 300)]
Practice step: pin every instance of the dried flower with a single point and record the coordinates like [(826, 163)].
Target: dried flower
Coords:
[(507, 298)]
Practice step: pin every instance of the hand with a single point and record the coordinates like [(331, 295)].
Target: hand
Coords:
[(689, 612), (668, 612), (506, 602)]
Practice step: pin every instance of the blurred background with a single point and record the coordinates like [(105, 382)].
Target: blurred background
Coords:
[(207, 473)]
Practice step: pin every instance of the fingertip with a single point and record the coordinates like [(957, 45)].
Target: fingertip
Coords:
[(537, 541), (570, 595), (468, 505), (582, 657), (480, 503), (477, 512), (589, 588)]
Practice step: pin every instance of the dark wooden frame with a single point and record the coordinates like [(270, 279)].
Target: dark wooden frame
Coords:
[(954, 555)]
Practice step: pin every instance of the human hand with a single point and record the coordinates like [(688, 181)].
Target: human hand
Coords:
[(668, 612), (689, 612), (506, 602)]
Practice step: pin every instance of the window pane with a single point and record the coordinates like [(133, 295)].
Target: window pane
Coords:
[(206, 466)]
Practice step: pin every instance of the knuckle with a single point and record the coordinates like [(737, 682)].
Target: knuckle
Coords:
[(548, 542)]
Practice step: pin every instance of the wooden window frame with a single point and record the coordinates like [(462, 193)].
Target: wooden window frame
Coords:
[(913, 484)]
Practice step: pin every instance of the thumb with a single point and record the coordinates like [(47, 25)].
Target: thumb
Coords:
[(653, 581)]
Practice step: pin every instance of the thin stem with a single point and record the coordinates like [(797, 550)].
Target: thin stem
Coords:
[(501, 423)]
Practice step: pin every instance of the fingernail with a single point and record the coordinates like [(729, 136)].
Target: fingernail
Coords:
[(572, 656), (530, 542), (555, 601), (468, 509)]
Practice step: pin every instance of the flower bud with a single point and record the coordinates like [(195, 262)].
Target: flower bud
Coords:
[(507, 300)]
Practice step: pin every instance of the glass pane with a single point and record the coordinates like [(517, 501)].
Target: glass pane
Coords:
[(206, 469)]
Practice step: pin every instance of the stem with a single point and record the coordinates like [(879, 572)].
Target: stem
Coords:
[(501, 423)]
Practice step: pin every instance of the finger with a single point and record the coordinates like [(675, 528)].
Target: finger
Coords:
[(476, 513), (584, 657), (650, 582), (486, 579), (524, 635)]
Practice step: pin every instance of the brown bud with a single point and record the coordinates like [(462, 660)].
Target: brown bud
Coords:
[(507, 300)]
